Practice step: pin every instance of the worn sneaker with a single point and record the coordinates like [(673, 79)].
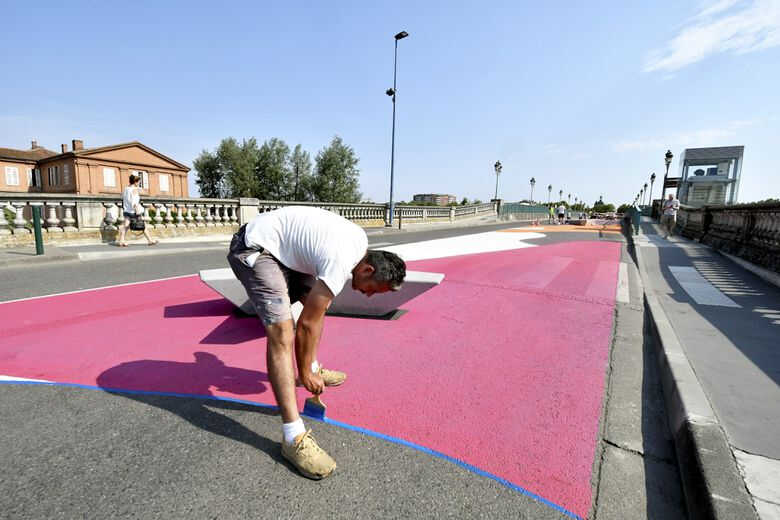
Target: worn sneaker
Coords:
[(329, 377), (306, 455), (332, 377)]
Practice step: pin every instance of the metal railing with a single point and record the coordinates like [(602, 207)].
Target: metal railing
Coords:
[(519, 211)]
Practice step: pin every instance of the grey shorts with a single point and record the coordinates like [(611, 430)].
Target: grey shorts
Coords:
[(270, 285)]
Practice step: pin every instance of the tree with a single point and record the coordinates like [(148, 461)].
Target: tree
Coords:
[(336, 174), (464, 201), (274, 179), (623, 208), (600, 207), (238, 162), (209, 176), (300, 168)]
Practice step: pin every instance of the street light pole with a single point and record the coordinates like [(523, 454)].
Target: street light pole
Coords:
[(652, 180), (497, 167), (533, 183), (549, 193), (391, 92), (668, 160)]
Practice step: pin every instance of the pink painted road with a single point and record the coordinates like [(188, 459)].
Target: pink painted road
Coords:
[(501, 367)]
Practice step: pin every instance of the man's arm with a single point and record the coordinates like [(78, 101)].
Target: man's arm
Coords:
[(307, 334)]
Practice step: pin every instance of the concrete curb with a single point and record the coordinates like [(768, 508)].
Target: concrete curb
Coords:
[(712, 483), (53, 255), (764, 274)]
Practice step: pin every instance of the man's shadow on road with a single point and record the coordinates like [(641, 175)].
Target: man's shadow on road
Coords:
[(145, 380)]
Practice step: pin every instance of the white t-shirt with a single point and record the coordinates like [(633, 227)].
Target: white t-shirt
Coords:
[(671, 207), (130, 199), (312, 241), (561, 209)]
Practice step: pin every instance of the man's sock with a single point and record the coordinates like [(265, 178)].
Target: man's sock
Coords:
[(292, 430)]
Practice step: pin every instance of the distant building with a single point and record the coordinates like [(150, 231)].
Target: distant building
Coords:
[(437, 198), (710, 176), (91, 171)]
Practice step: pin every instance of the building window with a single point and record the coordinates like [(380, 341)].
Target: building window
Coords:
[(66, 175), (164, 186), (11, 176), (34, 177), (109, 177), (54, 174)]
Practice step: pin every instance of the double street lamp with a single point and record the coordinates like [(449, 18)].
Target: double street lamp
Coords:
[(392, 92), (497, 167)]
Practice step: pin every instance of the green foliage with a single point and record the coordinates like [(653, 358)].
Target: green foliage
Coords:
[(300, 168), (600, 207), (274, 179), (623, 208), (209, 176), (238, 163), (464, 201), (336, 174)]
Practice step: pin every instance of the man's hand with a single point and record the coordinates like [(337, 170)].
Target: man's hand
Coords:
[(313, 382)]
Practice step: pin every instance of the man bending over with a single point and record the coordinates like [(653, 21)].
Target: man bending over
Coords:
[(304, 254)]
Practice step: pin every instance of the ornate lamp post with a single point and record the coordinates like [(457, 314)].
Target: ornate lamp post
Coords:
[(391, 92), (533, 183), (497, 167), (560, 194), (569, 199), (668, 160), (549, 193)]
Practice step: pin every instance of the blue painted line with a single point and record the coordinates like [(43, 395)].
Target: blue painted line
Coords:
[(346, 426)]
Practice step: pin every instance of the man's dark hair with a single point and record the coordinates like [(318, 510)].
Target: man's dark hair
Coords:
[(388, 267)]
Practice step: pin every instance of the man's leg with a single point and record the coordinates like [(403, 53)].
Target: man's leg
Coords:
[(279, 356)]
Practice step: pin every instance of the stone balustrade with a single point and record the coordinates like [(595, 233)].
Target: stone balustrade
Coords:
[(90, 217), (750, 231)]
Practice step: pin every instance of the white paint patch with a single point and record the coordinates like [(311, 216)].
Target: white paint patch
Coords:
[(762, 475), (622, 294), (604, 271), (544, 273), (489, 242), (22, 379), (698, 288)]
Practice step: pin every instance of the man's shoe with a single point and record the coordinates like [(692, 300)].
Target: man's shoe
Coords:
[(306, 455), (332, 377), (329, 377)]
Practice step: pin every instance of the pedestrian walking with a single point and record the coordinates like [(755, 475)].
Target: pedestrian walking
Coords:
[(561, 214), (304, 254), (669, 216), (132, 209)]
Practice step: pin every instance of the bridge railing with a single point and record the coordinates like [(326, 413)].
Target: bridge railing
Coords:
[(750, 231), (79, 213), (519, 211)]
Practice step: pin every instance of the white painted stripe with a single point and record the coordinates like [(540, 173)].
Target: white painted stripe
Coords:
[(99, 288), (622, 294), (604, 271), (541, 276), (488, 242), (698, 288), (379, 244), (22, 379)]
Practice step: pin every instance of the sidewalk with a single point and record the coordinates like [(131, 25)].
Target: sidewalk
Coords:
[(718, 328)]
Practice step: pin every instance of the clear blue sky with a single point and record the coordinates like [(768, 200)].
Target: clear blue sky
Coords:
[(586, 98)]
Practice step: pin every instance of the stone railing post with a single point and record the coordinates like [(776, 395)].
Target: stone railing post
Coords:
[(218, 220), (5, 228), (247, 208), (168, 214), (52, 222), (68, 220), (145, 216), (209, 218), (20, 224), (181, 209), (109, 221), (190, 218), (89, 215), (198, 217), (158, 220)]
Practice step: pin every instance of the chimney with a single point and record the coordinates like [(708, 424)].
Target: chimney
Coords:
[(64, 148), (34, 145), (78, 144)]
